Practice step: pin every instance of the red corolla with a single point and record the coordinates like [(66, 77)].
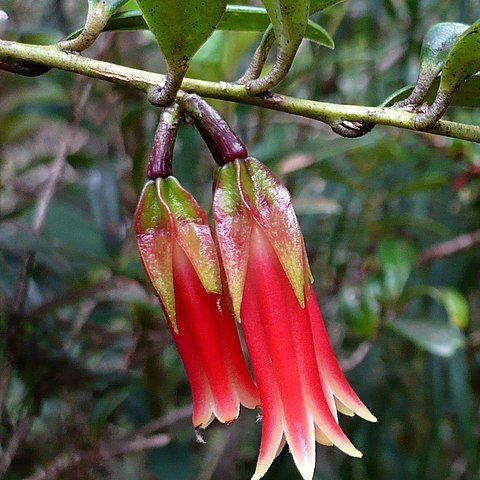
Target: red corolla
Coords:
[(179, 256), (269, 282)]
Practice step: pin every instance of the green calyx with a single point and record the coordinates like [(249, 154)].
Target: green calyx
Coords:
[(246, 192), (271, 205), (192, 232), (167, 213), (153, 228), (233, 227)]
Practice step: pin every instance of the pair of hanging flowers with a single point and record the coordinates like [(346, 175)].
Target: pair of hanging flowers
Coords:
[(253, 270)]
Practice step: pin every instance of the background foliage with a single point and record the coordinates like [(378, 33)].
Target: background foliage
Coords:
[(92, 358)]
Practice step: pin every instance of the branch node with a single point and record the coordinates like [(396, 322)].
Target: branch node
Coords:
[(349, 129)]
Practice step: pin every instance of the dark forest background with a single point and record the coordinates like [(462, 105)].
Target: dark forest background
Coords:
[(392, 226)]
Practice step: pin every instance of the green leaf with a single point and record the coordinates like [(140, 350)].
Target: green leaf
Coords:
[(180, 28), (360, 307), (459, 374), (318, 34), (438, 41), (319, 5), (244, 18), (108, 6), (455, 304), (467, 95), (429, 181), (437, 337), (236, 18), (462, 62), (73, 231), (396, 259), (412, 222), (105, 406)]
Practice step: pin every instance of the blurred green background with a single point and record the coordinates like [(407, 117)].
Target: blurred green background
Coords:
[(92, 358)]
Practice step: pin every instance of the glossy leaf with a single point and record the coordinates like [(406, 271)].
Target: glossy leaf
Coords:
[(438, 41), (439, 338), (316, 33), (455, 304), (319, 5), (396, 258), (467, 95), (109, 6), (256, 19), (462, 62), (180, 28), (236, 18)]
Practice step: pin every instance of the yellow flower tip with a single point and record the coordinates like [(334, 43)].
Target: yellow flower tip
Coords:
[(199, 423), (351, 450), (173, 323), (359, 409), (367, 415), (307, 469), (263, 464), (346, 446), (371, 418), (358, 454)]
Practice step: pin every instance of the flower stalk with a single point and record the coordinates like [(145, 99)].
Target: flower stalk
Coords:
[(160, 163), (222, 141)]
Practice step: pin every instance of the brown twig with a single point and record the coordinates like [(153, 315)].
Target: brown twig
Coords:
[(98, 455), (105, 289), (450, 247), (17, 437), (144, 438), (356, 358), (167, 421)]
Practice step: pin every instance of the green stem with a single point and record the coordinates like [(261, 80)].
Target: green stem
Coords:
[(329, 113)]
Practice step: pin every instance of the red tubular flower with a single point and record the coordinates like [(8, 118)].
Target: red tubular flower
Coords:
[(179, 256), (300, 383)]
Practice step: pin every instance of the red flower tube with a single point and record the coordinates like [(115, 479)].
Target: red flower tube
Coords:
[(179, 256), (300, 383)]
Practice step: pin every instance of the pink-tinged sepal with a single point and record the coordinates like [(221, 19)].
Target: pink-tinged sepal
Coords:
[(192, 232), (153, 228), (233, 227), (270, 204)]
